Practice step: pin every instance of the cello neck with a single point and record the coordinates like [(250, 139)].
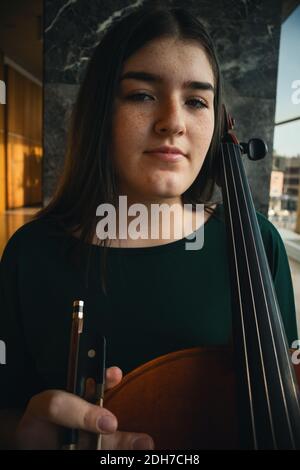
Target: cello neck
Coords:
[(267, 390)]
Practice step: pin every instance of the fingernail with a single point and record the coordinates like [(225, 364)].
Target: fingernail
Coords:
[(107, 423), (143, 443)]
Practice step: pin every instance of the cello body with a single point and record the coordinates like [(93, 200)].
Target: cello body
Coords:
[(184, 400)]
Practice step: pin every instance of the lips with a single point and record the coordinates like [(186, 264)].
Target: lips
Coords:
[(167, 150), (167, 157), (167, 154)]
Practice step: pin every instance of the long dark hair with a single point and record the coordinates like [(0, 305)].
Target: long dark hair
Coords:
[(89, 176)]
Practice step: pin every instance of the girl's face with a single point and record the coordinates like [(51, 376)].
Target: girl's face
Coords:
[(158, 104)]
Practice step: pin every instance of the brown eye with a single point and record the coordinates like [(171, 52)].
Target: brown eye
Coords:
[(140, 97), (198, 104)]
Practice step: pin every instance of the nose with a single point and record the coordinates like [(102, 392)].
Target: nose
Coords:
[(170, 120)]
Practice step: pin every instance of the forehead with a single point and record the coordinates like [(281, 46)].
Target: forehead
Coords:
[(173, 59)]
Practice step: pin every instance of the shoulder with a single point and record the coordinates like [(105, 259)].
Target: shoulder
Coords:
[(275, 249), (270, 235), (268, 230), (273, 243), (33, 237)]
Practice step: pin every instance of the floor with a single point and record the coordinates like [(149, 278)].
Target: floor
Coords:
[(13, 219)]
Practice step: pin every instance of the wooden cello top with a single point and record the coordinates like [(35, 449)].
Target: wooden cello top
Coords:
[(184, 400)]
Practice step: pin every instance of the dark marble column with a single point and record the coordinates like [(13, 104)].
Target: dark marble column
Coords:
[(246, 34)]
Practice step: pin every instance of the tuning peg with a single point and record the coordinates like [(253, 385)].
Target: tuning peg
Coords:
[(256, 149)]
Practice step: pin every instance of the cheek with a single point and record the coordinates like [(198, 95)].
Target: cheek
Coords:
[(203, 136), (129, 127), (128, 121), (128, 140)]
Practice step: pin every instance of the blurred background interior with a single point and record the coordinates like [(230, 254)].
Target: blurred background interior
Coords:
[(23, 176)]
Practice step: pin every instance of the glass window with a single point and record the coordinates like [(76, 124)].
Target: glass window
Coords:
[(286, 154)]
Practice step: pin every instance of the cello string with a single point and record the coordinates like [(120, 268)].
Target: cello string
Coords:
[(268, 314), (233, 160), (238, 162), (254, 433), (283, 337)]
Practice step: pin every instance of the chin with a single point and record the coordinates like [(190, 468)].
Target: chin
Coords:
[(161, 195), (172, 192)]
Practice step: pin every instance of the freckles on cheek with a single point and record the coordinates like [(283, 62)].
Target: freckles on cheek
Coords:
[(119, 128), (129, 123), (202, 141), (205, 133)]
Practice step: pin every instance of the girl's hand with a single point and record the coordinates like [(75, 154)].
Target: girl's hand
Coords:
[(48, 412)]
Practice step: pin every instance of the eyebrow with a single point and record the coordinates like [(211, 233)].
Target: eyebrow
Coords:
[(151, 77)]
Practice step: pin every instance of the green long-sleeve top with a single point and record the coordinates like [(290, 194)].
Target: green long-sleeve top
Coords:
[(159, 299)]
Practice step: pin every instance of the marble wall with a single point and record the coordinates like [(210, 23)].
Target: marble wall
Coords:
[(246, 34)]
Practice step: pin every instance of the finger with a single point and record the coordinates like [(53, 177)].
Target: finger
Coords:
[(87, 440), (114, 376), (36, 434), (64, 409), (127, 441)]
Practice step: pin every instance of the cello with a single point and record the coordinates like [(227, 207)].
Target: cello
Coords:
[(245, 396)]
